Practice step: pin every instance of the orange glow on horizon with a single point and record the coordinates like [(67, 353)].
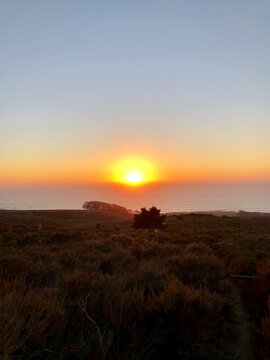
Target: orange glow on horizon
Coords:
[(132, 170)]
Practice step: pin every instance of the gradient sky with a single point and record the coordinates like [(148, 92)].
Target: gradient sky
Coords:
[(184, 84)]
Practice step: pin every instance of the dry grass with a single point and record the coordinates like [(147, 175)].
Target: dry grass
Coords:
[(113, 292)]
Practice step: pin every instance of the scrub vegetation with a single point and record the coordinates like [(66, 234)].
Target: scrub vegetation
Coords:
[(76, 286)]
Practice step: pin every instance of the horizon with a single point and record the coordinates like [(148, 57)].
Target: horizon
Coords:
[(169, 197)]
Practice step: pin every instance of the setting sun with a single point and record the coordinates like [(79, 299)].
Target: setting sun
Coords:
[(133, 172), (134, 178)]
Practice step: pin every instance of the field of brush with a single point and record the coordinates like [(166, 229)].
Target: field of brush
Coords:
[(81, 285)]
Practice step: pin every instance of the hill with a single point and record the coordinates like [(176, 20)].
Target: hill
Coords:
[(69, 218), (240, 213), (70, 289)]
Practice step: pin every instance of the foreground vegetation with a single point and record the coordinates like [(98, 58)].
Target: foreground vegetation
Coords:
[(80, 289)]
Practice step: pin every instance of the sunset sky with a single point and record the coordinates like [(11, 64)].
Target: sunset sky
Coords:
[(182, 85)]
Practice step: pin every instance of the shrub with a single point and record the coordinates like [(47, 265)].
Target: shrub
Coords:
[(26, 316), (196, 270), (148, 218)]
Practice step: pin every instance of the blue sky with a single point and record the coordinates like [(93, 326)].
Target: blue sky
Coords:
[(186, 83)]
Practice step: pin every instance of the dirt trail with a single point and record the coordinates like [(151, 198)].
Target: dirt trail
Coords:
[(241, 345)]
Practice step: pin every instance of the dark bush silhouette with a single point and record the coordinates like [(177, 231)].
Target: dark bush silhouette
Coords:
[(148, 218)]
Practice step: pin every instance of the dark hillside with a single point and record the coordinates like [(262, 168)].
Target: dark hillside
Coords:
[(67, 218), (74, 286)]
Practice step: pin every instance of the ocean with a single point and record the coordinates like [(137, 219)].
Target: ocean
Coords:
[(167, 197)]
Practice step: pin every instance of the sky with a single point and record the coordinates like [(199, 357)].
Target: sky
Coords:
[(181, 84)]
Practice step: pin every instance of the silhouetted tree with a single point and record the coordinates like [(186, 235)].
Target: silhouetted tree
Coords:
[(103, 206), (148, 218)]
